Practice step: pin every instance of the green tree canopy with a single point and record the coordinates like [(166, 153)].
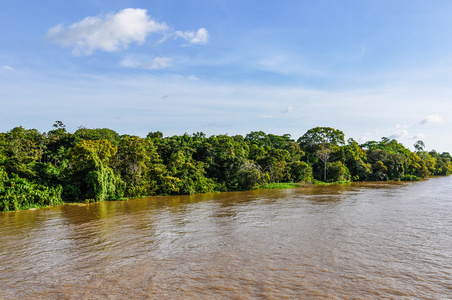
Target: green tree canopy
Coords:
[(317, 136)]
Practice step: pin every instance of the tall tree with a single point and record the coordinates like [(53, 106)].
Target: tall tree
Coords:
[(92, 178), (317, 136), (419, 146), (324, 155)]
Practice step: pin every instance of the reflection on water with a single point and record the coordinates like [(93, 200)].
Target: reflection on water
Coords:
[(363, 240)]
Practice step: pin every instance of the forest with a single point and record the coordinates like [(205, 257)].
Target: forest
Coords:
[(43, 169)]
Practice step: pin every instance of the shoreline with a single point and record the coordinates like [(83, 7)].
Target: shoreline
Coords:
[(271, 186)]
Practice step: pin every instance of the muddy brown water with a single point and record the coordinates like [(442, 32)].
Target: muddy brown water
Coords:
[(356, 241)]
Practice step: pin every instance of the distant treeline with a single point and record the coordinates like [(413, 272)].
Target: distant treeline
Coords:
[(39, 169)]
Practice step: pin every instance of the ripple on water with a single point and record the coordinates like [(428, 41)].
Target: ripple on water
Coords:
[(358, 241)]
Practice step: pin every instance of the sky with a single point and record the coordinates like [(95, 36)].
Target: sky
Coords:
[(371, 68)]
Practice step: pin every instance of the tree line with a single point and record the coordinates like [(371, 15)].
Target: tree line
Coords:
[(40, 169)]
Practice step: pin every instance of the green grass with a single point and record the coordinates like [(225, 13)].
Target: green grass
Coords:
[(282, 185)]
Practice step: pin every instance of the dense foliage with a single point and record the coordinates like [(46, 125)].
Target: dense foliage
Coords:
[(39, 169)]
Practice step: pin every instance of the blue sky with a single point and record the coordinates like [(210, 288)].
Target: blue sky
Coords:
[(369, 68)]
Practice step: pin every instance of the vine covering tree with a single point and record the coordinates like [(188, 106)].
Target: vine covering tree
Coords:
[(57, 166)]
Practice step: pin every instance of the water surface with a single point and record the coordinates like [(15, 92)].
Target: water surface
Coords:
[(357, 241)]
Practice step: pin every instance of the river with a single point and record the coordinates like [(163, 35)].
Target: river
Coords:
[(354, 241)]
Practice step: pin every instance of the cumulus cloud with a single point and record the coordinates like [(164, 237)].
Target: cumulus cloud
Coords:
[(400, 131), (116, 31), (199, 37), (431, 119), (110, 32)]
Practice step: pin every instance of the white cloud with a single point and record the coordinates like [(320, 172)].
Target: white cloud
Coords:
[(157, 63), (131, 63), (9, 68), (418, 136), (199, 37), (431, 119), (365, 138), (193, 77), (399, 132), (111, 32)]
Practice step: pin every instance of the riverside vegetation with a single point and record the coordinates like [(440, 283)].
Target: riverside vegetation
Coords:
[(41, 169)]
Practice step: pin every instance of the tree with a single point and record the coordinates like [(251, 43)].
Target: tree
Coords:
[(98, 134), (98, 164), (91, 177), (59, 143), (259, 138), (354, 158), (25, 145), (300, 171), (132, 161), (59, 125), (223, 159), (441, 164), (321, 136), (338, 172), (190, 173), (377, 159), (249, 175), (419, 146), (321, 144), (324, 155), (19, 193)]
